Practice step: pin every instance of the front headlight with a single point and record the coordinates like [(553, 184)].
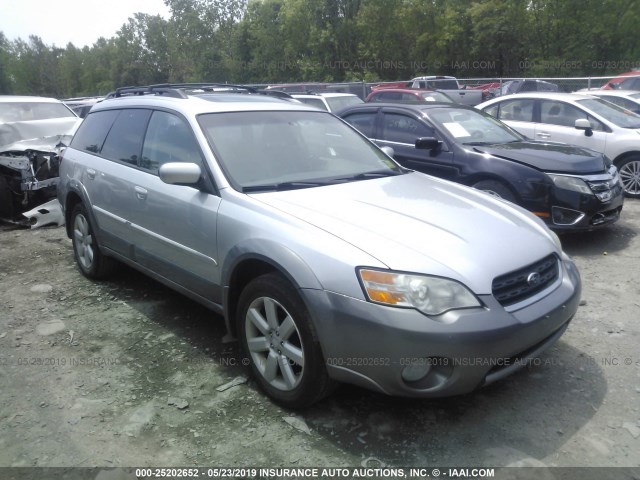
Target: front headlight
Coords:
[(570, 183), (430, 295)]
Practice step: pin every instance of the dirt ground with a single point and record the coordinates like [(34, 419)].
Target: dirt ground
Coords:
[(127, 373)]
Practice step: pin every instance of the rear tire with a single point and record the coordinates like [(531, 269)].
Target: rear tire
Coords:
[(497, 189), (629, 171), (92, 263), (279, 339)]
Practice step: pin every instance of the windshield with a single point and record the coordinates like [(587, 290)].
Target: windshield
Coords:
[(617, 115), (278, 150), (340, 103), (26, 111), (471, 127)]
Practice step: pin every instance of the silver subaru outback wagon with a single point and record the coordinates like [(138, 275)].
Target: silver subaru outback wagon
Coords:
[(329, 262)]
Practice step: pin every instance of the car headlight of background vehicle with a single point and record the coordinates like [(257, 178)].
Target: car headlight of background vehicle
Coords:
[(429, 295), (570, 183)]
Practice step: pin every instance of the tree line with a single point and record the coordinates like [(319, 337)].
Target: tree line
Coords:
[(275, 41)]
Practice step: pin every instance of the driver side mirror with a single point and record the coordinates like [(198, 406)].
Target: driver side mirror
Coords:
[(427, 143), (584, 124)]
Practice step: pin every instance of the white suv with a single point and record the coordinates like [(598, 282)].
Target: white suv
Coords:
[(331, 102), (578, 119)]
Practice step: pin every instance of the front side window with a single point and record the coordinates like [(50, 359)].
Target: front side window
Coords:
[(169, 139), (560, 113), (274, 150), (124, 141), (404, 129)]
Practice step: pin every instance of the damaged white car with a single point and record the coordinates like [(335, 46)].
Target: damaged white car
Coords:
[(33, 132)]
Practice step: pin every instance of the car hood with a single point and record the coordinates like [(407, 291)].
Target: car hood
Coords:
[(418, 223), (549, 156), (13, 132)]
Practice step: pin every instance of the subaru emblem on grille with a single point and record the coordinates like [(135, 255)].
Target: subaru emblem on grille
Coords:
[(533, 279)]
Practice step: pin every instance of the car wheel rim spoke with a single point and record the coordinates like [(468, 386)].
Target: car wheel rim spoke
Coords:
[(288, 374), (83, 241), (293, 353), (274, 343), (258, 321)]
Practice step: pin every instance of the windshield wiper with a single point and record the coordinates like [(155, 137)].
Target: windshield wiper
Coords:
[(277, 187), (478, 144), (374, 174)]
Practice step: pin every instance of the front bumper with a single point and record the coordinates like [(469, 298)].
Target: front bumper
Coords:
[(572, 210), (372, 345)]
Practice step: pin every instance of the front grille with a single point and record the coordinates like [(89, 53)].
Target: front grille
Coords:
[(521, 284)]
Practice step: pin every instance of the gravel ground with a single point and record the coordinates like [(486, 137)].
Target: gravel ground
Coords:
[(127, 373)]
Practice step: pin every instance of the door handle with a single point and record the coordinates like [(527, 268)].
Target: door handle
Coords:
[(141, 193), (543, 135), (91, 173)]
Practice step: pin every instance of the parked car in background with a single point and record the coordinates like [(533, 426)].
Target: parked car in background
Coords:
[(624, 81), (331, 102), (318, 249), (526, 85), (569, 188), (450, 86), (489, 90), (629, 99), (81, 105), (579, 119), (407, 95), (33, 131)]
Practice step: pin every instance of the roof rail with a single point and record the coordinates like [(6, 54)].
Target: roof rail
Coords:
[(178, 90)]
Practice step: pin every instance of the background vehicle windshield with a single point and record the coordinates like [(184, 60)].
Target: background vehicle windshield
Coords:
[(25, 111), (617, 115), (340, 103), (473, 127), (274, 147)]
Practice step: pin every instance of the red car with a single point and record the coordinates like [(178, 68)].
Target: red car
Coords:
[(624, 81), (407, 95)]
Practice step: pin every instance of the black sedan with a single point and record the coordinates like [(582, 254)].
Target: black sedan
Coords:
[(570, 188)]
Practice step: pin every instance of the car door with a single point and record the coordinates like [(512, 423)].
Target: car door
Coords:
[(176, 224), (517, 113), (400, 130), (111, 142), (557, 124)]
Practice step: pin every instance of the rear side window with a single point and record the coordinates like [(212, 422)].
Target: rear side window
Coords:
[(520, 110), (93, 130), (124, 141), (364, 122)]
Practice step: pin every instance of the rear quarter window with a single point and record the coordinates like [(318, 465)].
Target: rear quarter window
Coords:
[(93, 131)]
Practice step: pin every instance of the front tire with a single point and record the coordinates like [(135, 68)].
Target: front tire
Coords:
[(278, 337), (92, 263), (629, 171), (496, 188)]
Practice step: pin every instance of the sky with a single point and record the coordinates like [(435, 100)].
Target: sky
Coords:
[(80, 22)]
